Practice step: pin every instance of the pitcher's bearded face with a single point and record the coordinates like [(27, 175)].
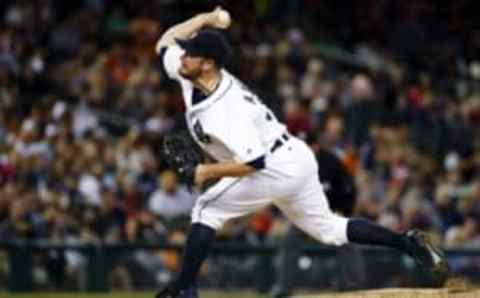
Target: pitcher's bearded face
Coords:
[(192, 66)]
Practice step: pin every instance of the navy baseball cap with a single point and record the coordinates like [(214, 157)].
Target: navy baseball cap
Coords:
[(209, 44)]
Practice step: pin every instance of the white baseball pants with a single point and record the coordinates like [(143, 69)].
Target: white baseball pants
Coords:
[(290, 181)]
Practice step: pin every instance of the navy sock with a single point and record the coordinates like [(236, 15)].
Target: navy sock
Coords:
[(199, 241), (363, 231)]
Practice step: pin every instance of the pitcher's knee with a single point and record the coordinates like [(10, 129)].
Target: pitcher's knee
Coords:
[(335, 231), (207, 218), (336, 240), (209, 223)]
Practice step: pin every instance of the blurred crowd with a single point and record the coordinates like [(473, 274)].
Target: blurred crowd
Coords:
[(83, 108)]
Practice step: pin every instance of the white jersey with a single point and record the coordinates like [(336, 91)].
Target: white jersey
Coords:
[(231, 123)]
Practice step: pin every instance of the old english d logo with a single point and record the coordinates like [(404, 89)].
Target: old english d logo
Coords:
[(201, 135)]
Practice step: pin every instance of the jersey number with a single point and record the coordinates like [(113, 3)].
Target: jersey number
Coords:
[(253, 98), (248, 94), (268, 116), (201, 135)]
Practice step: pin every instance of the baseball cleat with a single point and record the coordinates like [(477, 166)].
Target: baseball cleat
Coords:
[(171, 292), (427, 255), (278, 292), (167, 292)]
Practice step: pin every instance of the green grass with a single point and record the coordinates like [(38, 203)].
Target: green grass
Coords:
[(204, 294)]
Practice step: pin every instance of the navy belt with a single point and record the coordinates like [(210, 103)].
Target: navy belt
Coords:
[(279, 142)]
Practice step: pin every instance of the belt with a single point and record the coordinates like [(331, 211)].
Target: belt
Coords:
[(279, 142)]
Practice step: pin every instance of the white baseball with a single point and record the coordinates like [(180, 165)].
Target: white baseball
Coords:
[(224, 18)]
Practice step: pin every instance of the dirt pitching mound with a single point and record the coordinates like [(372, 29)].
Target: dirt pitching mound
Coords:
[(454, 288)]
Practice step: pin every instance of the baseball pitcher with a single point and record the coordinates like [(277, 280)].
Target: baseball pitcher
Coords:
[(257, 161)]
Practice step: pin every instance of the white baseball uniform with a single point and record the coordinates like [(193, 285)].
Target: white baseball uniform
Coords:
[(232, 124)]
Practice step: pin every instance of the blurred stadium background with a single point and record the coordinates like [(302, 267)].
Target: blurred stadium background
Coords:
[(87, 204)]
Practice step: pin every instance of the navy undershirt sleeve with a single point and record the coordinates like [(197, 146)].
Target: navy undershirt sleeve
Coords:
[(258, 163)]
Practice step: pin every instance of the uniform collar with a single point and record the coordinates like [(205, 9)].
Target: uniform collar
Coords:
[(223, 86)]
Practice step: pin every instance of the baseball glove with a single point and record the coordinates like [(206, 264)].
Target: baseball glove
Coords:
[(183, 155)]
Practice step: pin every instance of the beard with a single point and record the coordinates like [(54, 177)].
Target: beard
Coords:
[(190, 75)]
